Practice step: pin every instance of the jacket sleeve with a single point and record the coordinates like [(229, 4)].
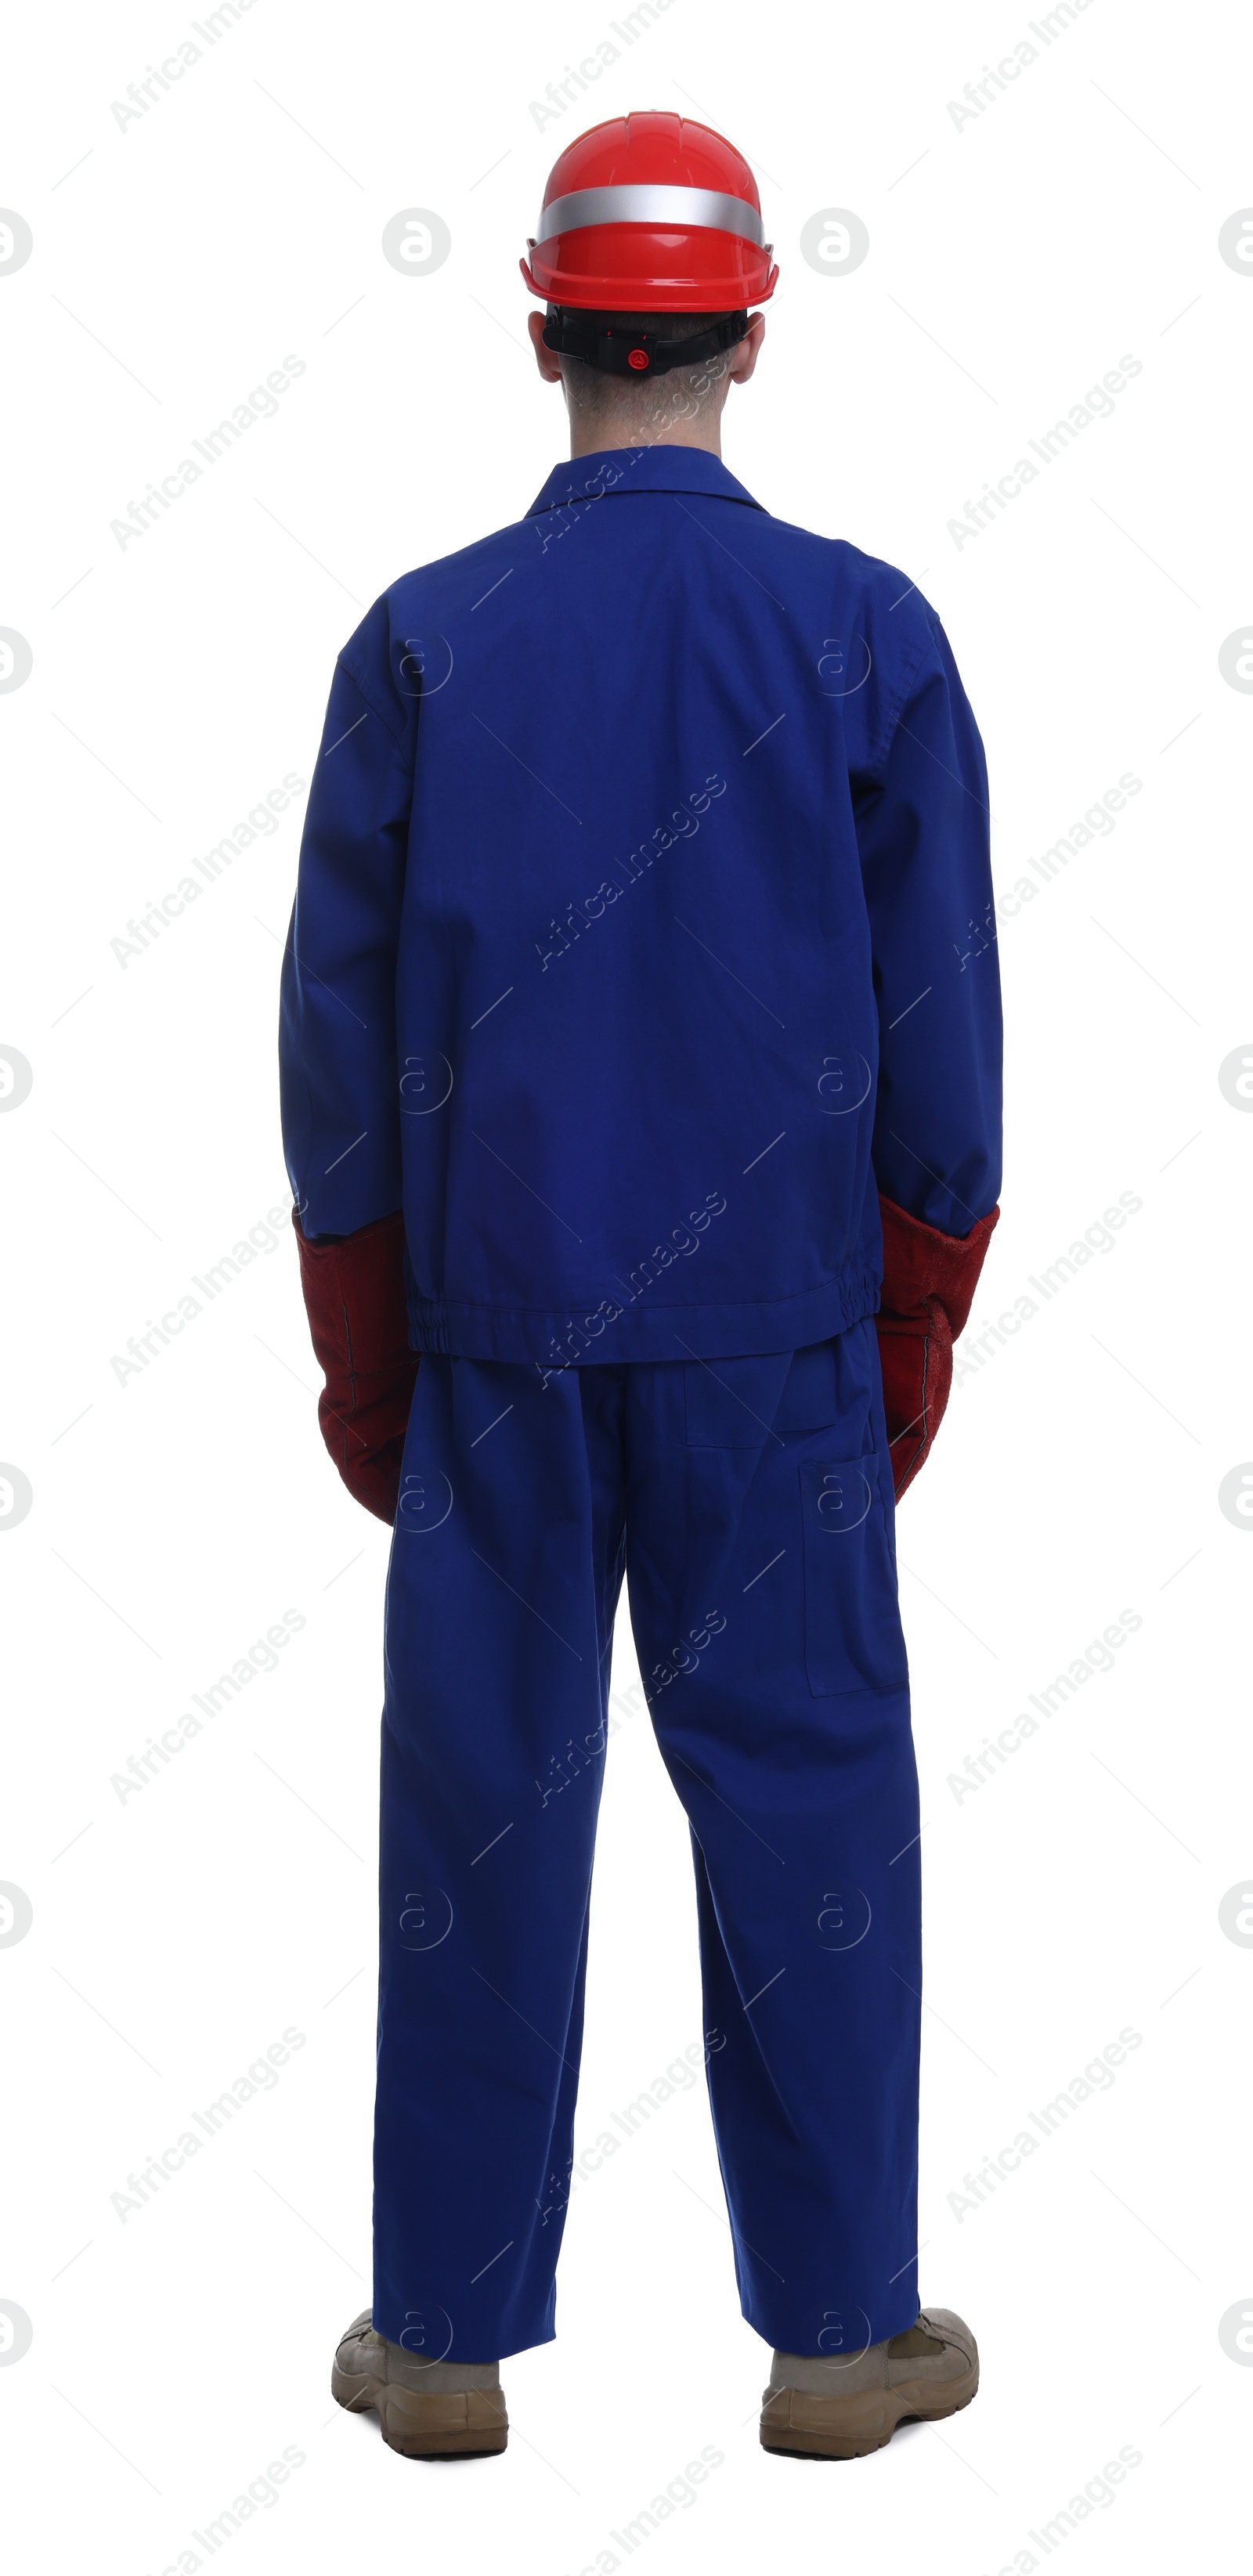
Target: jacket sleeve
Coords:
[(921, 811), (337, 1033)]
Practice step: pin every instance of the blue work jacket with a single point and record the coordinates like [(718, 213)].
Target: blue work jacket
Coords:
[(643, 929)]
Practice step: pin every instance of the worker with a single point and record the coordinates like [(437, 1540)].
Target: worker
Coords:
[(641, 1099)]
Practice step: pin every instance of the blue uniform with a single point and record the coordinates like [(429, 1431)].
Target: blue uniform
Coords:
[(644, 924), (643, 935)]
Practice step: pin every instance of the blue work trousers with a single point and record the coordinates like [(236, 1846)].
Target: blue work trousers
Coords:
[(749, 1503)]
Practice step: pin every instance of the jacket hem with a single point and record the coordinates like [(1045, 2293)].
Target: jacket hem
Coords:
[(610, 1334)]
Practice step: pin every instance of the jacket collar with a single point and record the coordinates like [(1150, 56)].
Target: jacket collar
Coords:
[(640, 469)]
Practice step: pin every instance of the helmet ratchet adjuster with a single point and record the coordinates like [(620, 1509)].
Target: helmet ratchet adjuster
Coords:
[(614, 351)]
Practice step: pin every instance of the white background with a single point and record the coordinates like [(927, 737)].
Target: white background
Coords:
[(1012, 262)]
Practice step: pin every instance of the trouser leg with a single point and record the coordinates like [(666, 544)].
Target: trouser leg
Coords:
[(501, 1589), (762, 1582)]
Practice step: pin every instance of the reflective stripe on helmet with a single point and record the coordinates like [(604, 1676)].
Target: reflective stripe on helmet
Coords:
[(661, 204)]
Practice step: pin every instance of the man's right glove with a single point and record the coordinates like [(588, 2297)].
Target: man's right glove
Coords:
[(354, 1292), (929, 1281)]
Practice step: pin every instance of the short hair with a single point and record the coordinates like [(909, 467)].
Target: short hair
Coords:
[(592, 390)]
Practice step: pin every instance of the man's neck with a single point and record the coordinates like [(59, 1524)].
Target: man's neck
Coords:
[(592, 437)]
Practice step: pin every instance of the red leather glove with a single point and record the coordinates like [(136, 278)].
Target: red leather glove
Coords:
[(354, 1292), (929, 1281)]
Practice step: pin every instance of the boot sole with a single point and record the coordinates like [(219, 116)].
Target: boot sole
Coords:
[(420, 2427), (867, 2422)]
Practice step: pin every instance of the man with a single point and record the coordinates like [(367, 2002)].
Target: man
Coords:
[(640, 1018)]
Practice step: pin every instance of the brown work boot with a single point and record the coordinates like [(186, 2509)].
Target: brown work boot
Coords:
[(838, 2410), (434, 2410)]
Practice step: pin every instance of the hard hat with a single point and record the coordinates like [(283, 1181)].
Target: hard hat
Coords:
[(651, 214)]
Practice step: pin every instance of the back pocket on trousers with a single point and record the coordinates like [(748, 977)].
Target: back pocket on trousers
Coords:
[(853, 1639)]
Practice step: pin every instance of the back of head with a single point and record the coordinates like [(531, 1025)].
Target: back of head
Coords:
[(649, 250), (638, 407)]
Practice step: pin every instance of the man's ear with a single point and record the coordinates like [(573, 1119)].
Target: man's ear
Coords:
[(743, 357), (544, 358)]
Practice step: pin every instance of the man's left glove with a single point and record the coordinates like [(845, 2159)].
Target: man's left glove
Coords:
[(354, 1292), (929, 1281)]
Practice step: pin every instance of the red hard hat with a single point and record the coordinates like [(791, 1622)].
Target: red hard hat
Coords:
[(651, 214)]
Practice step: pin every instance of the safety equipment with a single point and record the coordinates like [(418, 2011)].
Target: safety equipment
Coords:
[(429, 2410), (820, 2410), (651, 214), (929, 1281), (616, 351), (354, 1292)]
